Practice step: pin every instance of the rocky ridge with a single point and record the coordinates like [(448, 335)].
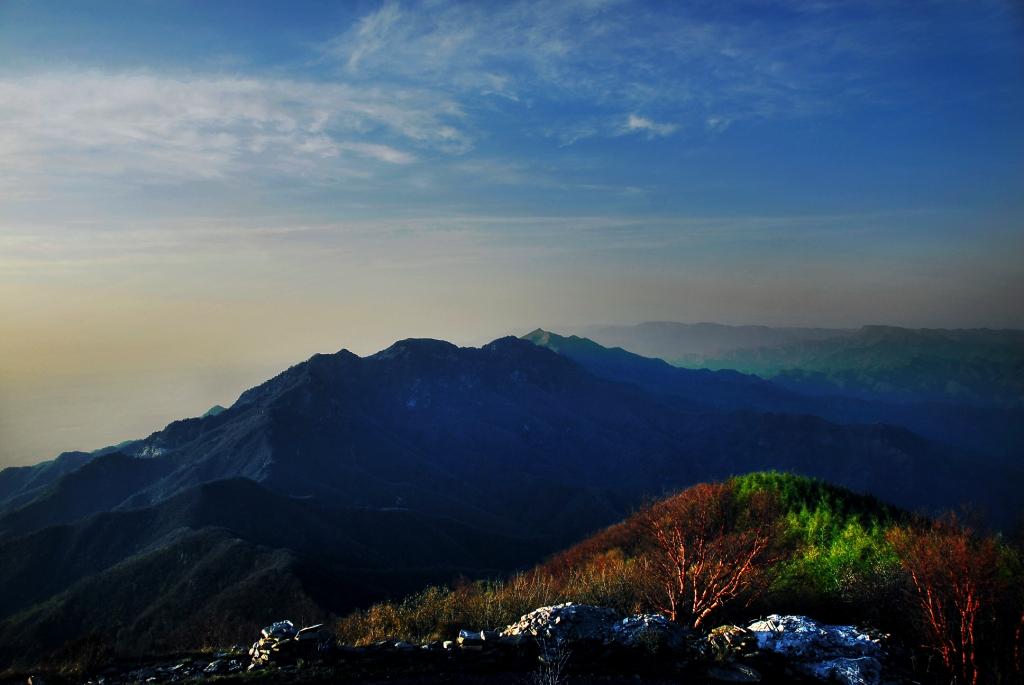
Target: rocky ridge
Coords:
[(585, 640)]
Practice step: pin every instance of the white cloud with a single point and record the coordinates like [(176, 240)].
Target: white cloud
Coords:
[(504, 51), (607, 59), (638, 124), (716, 124), (372, 32), (150, 126), (384, 153)]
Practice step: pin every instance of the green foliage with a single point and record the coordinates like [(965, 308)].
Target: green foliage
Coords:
[(838, 556), (839, 553), (796, 493)]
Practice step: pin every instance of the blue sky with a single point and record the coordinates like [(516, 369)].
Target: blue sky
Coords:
[(195, 187), (904, 113)]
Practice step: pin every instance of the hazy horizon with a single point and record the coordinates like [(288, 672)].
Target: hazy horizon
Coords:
[(194, 195)]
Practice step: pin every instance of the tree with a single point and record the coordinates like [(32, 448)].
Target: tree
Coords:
[(710, 548), (954, 576)]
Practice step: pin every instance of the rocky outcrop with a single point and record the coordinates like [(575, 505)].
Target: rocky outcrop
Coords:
[(583, 638), (727, 643), (832, 653), (572, 623), (283, 643)]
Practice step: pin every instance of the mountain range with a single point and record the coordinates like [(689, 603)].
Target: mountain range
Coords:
[(672, 340), (990, 433), (347, 479), (967, 367)]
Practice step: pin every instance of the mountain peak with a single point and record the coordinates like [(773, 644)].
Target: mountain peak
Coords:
[(415, 346), (559, 343), (538, 336), (510, 345), (213, 411)]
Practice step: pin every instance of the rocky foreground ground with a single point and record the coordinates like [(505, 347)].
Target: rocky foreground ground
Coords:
[(567, 643)]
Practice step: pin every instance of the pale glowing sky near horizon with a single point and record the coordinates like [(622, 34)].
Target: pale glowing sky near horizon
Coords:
[(194, 195)]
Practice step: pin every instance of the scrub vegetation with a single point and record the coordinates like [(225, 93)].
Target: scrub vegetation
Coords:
[(764, 543)]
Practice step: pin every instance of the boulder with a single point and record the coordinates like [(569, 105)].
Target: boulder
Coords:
[(281, 630), (564, 623), (653, 632), (729, 642), (585, 624), (310, 632), (283, 643), (841, 654)]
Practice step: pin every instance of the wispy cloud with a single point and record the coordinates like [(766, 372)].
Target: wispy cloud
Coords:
[(213, 127), (682, 62), (414, 241), (408, 80), (638, 124)]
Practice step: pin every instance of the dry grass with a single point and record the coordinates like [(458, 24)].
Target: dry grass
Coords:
[(439, 612)]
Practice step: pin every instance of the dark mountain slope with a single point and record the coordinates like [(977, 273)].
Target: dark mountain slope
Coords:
[(220, 558), (19, 484), (51, 560), (99, 485), (194, 588)]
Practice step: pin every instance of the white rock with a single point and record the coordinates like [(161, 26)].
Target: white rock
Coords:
[(828, 652)]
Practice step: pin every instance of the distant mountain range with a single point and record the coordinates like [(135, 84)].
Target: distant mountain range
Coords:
[(976, 367), (671, 341), (346, 479), (991, 433)]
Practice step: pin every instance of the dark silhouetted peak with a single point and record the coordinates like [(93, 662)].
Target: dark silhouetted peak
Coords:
[(420, 347), (560, 343), (506, 343), (341, 355), (525, 353), (319, 366), (330, 366)]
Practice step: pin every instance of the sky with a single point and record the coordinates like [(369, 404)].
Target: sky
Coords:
[(195, 195)]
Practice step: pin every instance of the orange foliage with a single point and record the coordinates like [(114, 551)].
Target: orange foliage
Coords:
[(955, 580), (710, 549)]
